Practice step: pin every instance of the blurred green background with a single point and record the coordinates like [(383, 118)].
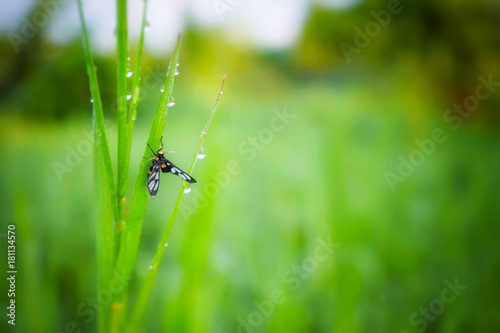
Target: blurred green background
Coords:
[(322, 177)]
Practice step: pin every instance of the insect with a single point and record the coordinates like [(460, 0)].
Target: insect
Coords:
[(161, 163)]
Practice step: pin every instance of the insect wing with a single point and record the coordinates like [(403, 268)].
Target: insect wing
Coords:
[(153, 182), (170, 167)]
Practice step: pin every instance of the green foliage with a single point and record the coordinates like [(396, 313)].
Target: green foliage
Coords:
[(395, 248), (238, 238)]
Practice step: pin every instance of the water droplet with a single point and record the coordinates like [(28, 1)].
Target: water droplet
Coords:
[(162, 89), (187, 190), (150, 266), (176, 72), (172, 102), (221, 92), (201, 154), (177, 65), (128, 59), (91, 100), (129, 97), (129, 74), (166, 244)]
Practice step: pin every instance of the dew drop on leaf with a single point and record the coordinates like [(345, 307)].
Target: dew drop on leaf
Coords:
[(201, 154), (172, 102)]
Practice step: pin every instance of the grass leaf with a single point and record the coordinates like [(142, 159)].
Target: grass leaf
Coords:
[(144, 294), (104, 187)]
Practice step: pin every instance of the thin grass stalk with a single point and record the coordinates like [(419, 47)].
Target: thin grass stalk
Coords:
[(121, 72), (145, 293)]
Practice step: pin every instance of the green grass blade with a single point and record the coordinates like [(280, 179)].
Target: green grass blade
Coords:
[(123, 161), (144, 294), (130, 241), (104, 187), (119, 315), (135, 91)]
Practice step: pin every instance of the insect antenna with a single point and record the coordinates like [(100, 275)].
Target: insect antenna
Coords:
[(152, 149), (161, 141)]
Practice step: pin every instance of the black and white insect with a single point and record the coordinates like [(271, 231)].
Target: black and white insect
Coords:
[(161, 163)]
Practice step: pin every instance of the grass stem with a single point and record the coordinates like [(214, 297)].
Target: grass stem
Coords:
[(121, 79)]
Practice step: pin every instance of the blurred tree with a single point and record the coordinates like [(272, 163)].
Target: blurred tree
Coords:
[(453, 43)]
